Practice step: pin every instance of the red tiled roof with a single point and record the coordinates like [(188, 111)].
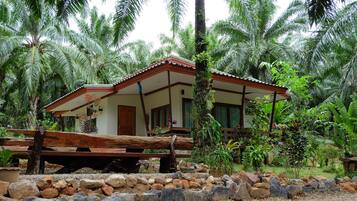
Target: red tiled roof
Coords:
[(180, 63)]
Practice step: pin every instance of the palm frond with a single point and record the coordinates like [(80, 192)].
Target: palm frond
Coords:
[(176, 10), (126, 12)]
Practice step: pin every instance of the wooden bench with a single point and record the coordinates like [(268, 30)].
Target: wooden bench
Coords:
[(95, 151)]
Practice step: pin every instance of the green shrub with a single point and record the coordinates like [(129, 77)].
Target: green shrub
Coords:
[(219, 158), (328, 155), (296, 148), (3, 132), (254, 156), (5, 157)]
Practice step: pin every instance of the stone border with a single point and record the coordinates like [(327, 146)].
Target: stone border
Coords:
[(166, 187)]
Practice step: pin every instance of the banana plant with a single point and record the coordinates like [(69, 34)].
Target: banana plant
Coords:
[(345, 126)]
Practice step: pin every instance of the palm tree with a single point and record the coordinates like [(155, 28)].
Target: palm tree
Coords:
[(135, 55), (126, 14), (32, 44), (251, 36), (320, 9), (95, 40), (184, 42), (331, 55)]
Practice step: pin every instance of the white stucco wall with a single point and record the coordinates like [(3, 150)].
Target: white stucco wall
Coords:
[(161, 98), (107, 120)]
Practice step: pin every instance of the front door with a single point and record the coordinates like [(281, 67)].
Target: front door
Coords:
[(126, 120)]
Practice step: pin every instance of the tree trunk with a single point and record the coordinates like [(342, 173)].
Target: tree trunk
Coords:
[(32, 116), (202, 79)]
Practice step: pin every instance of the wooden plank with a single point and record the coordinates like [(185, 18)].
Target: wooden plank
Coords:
[(143, 106), (16, 142), (170, 101), (98, 154), (272, 113), (71, 139), (241, 121)]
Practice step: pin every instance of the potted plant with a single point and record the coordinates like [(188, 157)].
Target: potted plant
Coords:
[(7, 173)]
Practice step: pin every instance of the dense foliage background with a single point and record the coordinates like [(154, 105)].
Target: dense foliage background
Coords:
[(310, 49)]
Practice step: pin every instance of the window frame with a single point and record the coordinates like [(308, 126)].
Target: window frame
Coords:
[(184, 100), (159, 109), (228, 112)]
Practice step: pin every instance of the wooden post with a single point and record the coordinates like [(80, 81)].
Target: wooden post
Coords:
[(272, 113), (34, 164), (168, 163), (170, 103), (143, 106), (241, 120), (61, 120)]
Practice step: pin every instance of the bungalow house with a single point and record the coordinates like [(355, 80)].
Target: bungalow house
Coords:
[(159, 95)]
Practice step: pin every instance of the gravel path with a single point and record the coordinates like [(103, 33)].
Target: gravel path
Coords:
[(338, 196)]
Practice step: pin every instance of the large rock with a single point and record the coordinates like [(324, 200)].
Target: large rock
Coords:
[(157, 186), (45, 182), (210, 179), (69, 190), (49, 193), (259, 193), (348, 186), (220, 193), (131, 181), (160, 180), (331, 185), (91, 184), (61, 184), (196, 196), (22, 189), (276, 190), (262, 185), (4, 185), (226, 178), (312, 186), (142, 180), (107, 190), (116, 180), (294, 191), (239, 192), (72, 182), (172, 195), (121, 197), (250, 178)]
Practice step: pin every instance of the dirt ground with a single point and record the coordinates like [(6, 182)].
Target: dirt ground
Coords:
[(338, 196)]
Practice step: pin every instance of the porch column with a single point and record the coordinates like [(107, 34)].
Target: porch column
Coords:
[(143, 106), (170, 103), (241, 120), (61, 120), (272, 113)]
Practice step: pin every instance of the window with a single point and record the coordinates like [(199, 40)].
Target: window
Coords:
[(160, 117), (187, 113), (89, 126), (227, 115)]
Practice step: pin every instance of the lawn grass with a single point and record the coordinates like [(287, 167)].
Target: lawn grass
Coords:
[(305, 171)]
